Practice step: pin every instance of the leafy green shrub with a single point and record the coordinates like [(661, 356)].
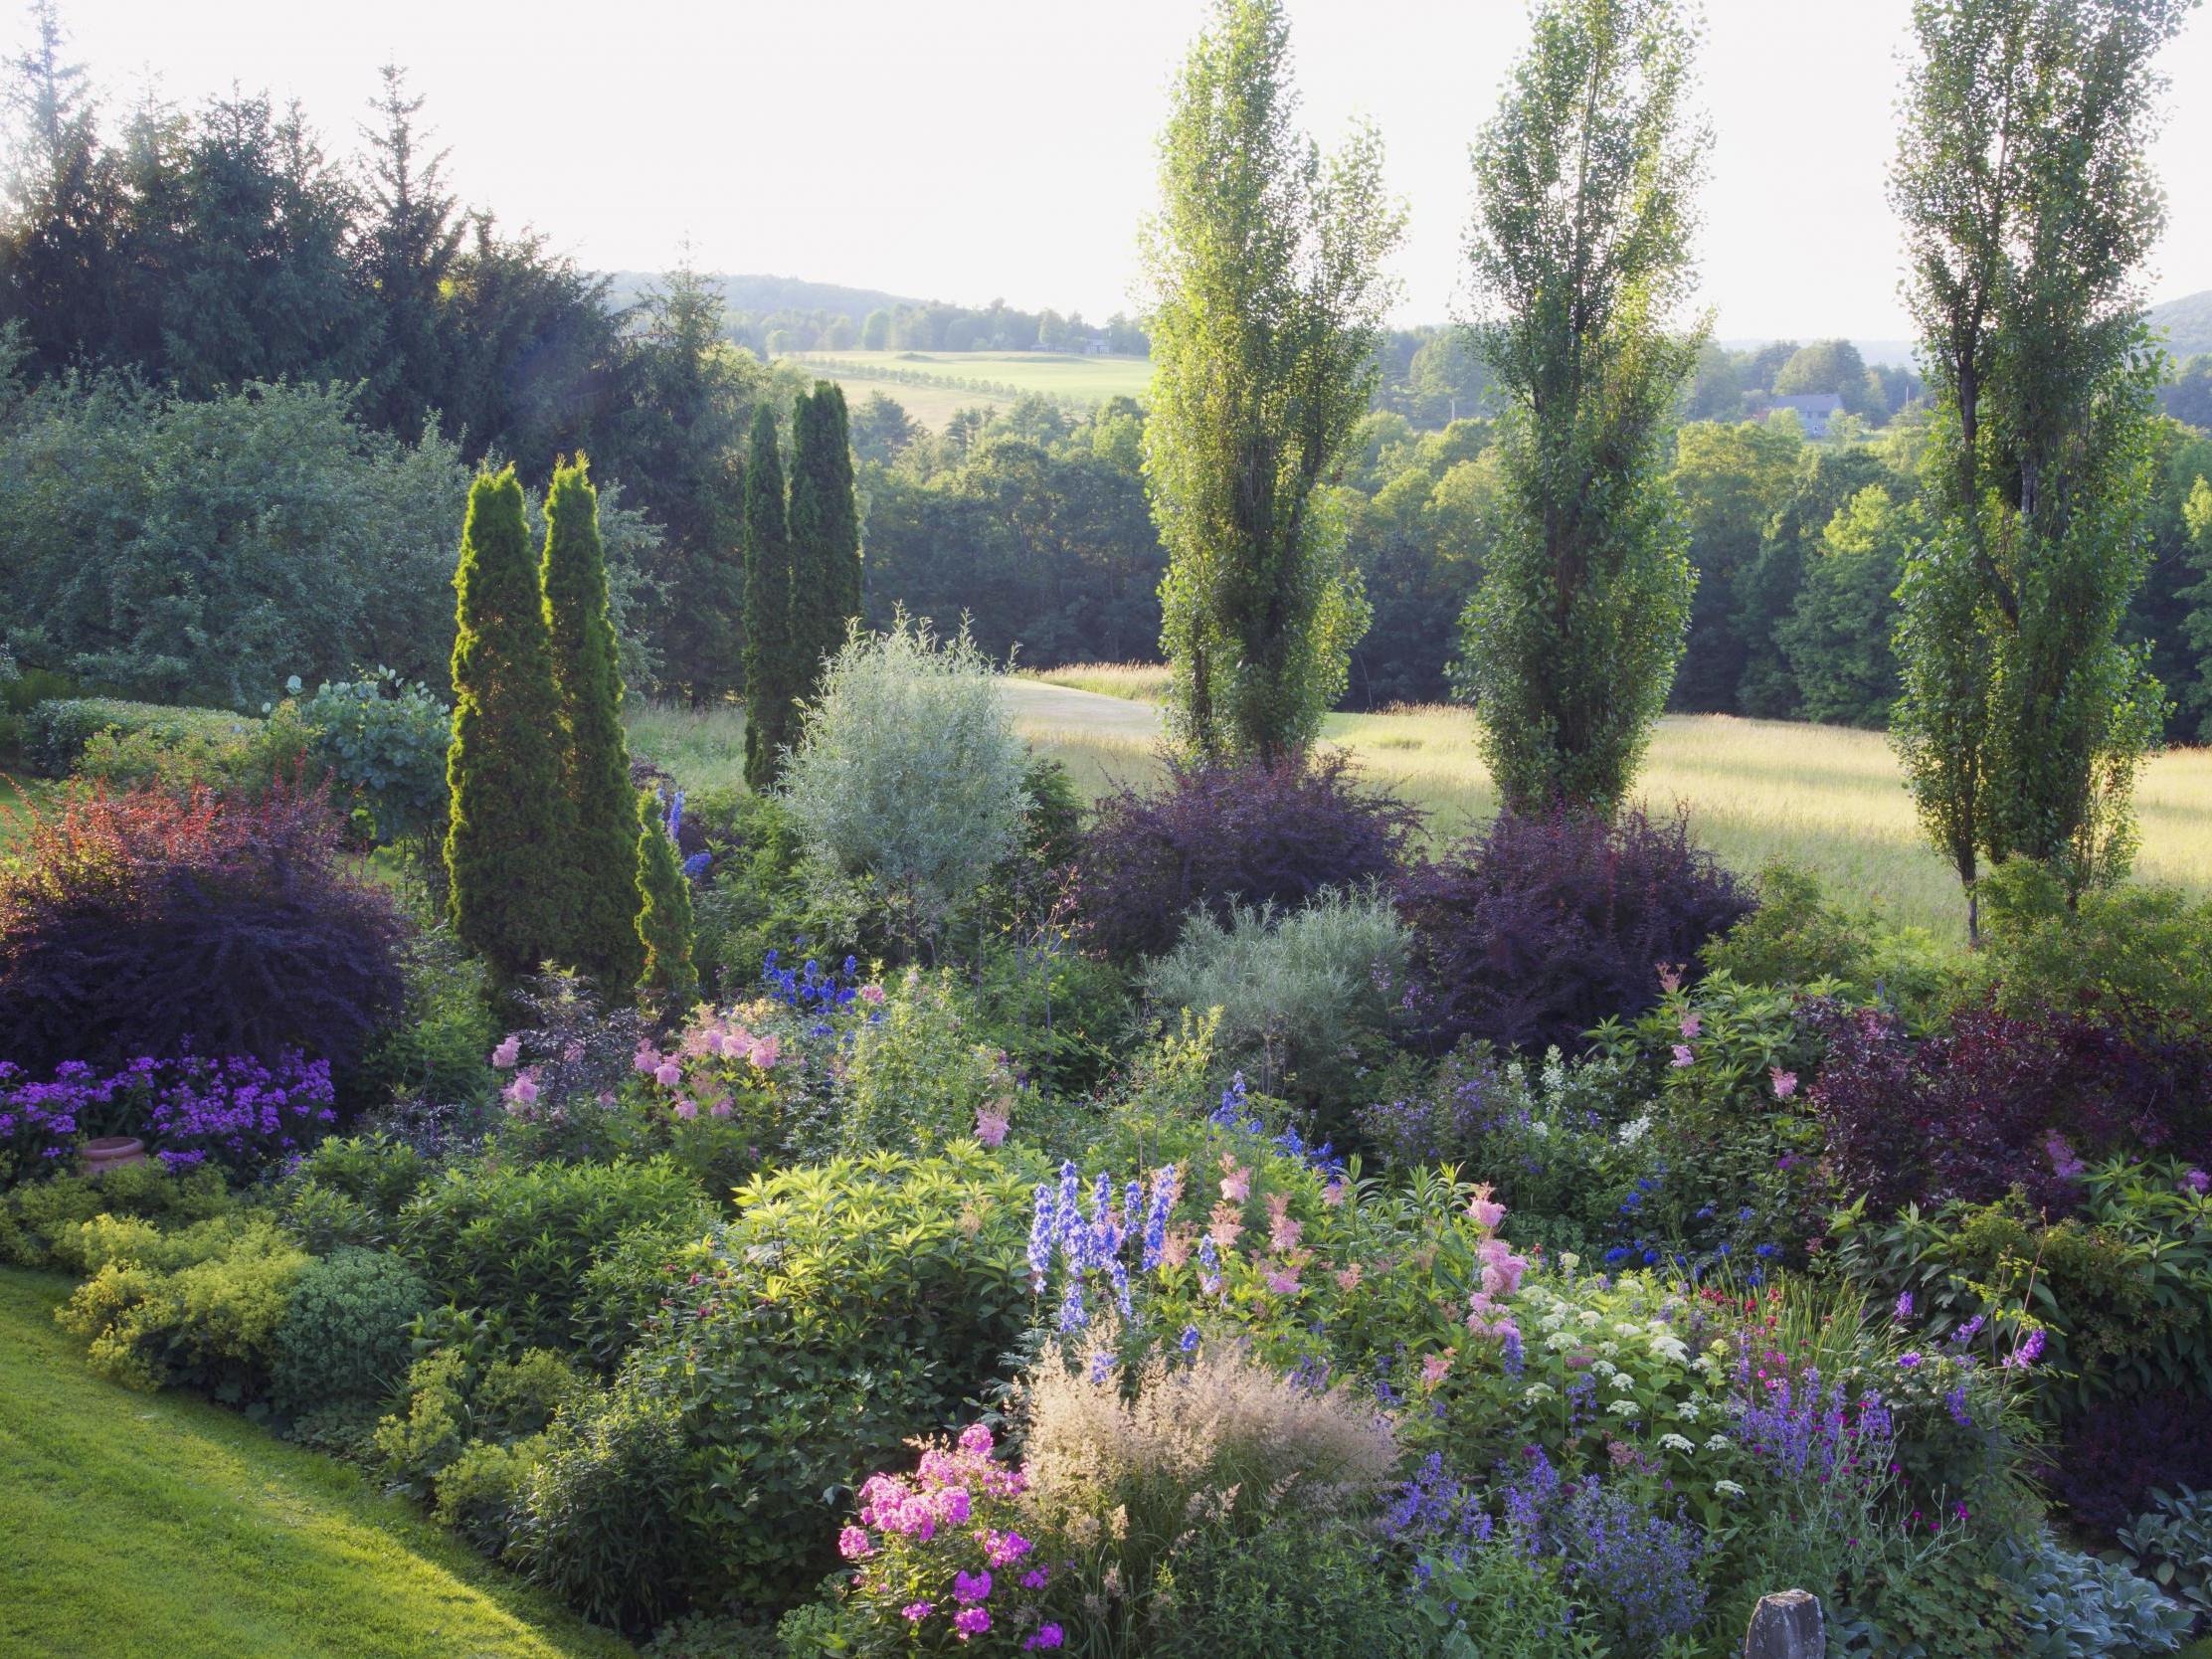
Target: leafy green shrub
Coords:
[(383, 742), (2139, 956), (916, 1081), (517, 1240), (200, 1306), (908, 771), (376, 1170), (464, 1393), (755, 896), (630, 1283), (1297, 989), (242, 757), (2170, 1545), (479, 1492), (324, 1219), (344, 1333), (604, 1509), (1057, 1015), (40, 1222), (1496, 1598), (849, 1307), (1798, 936), (436, 1050), (56, 732), (1317, 1592), (2075, 1606)]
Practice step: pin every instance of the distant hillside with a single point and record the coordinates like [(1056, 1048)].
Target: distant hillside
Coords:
[(774, 294), (2186, 323)]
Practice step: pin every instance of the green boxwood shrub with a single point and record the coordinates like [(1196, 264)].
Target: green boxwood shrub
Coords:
[(55, 732), (344, 1334)]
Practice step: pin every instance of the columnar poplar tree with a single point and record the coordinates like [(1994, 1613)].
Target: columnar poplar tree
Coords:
[(824, 531), (1580, 248), (508, 892), (663, 920), (770, 650), (598, 859), (2028, 206), (1266, 266)]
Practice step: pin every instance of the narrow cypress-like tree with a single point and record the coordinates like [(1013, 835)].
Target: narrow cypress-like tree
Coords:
[(1585, 181), (1266, 266), (770, 649), (824, 531), (598, 859), (2024, 184), (663, 923), (507, 890)]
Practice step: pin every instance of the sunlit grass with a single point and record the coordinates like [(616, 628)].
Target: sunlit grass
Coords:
[(1827, 796)]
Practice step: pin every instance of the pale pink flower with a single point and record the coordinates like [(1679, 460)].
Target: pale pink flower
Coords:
[(871, 994), (1225, 1224), (1484, 1210), (1282, 1232), (1683, 1057), (991, 1122), (1670, 976), (1347, 1278), (766, 1051), (1333, 1194), (1237, 1180), (507, 1052), (667, 1074), (1436, 1366), (1283, 1279), (1692, 1024), (686, 1108), (523, 1091), (1785, 1082), (647, 1060), (721, 1107)]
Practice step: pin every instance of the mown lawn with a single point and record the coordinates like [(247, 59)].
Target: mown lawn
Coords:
[(156, 1527)]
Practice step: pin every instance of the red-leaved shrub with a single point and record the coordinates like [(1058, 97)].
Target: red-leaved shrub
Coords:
[(2110, 1458), (1532, 932), (144, 922), (1213, 833), (1996, 1101)]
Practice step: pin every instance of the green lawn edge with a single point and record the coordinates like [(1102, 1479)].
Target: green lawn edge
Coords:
[(164, 1527)]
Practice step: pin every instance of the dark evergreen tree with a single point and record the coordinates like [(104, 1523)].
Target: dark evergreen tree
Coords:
[(824, 531), (600, 857), (506, 889), (665, 913), (407, 250), (770, 652)]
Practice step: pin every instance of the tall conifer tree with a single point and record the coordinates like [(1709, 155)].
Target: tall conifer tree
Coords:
[(664, 914), (825, 530), (770, 649), (599, 858), (508, 894)]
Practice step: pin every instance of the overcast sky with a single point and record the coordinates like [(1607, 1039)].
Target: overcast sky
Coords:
[(981, 148)]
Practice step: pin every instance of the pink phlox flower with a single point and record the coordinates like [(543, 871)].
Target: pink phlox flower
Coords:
[(1005, 1548), (523, 1091), (1037, 1577), (1047, 1636), (971, 1587), (854, 1544), (914, 1612), (975, 1440), (970, 1621), (953, 1506)]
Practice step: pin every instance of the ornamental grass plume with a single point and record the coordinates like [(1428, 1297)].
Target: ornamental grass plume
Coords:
[(1212, 1437)]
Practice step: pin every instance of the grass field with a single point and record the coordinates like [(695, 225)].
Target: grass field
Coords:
[(156, 1527), (1827, 796), (934, 385)]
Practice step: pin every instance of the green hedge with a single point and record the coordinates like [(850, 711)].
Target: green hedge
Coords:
[(55, 733)]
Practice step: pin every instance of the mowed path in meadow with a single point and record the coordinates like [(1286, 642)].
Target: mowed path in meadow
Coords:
[(1829, 798)]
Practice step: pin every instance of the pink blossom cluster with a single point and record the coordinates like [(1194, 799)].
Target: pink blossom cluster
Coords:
[(1501, 1268), (710, 1036), (938, 1504)]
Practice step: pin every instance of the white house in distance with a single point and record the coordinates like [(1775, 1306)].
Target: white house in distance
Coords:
[(1814, 409)]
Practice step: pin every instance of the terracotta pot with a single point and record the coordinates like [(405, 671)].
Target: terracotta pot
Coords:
[(110, 1151)]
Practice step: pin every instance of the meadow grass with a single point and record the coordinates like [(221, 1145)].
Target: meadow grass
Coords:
[(1060, 374), (1826, 797), (146, 1527)]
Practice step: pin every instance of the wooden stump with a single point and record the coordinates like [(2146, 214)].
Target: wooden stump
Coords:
[(1786, 1626)]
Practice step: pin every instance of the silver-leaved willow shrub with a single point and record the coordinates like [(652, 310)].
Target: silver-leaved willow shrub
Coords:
[(907, 776)]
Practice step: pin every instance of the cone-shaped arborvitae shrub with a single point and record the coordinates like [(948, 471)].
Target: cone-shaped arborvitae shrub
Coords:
[(824, 531), (510, 816), (600, 860), (664, 918), (770, 650)]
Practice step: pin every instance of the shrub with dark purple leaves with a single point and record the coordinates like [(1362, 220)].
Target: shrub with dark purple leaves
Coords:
[(1211, 834), (1995, 1101), (2117, 1450), (140, 922), (1532, 932)]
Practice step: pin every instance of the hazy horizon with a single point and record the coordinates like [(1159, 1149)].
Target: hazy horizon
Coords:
[(1011, 154)]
